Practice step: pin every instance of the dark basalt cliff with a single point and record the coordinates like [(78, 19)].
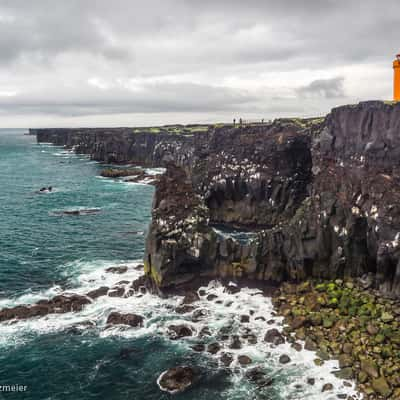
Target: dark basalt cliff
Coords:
[(119, 145), (288, 200)]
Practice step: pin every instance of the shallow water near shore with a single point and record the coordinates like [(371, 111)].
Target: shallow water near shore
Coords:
[(75, 355)]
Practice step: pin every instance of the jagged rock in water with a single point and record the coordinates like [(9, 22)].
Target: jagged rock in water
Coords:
[(177, 379), (179, 331), (101, 291), (59, 304), (116, 318)]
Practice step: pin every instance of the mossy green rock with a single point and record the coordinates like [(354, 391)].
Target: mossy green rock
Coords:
[(315, 319), (387, 317), (381, 386), (344, 373), (370, 368), (327, 322), (362, 377), (345, 360)]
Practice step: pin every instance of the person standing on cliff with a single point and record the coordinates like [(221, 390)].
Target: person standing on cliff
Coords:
[(234, 122)]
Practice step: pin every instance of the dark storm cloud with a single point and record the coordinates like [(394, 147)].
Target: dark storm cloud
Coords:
[(212, 55)]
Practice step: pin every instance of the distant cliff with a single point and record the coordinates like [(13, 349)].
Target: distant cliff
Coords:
[(153, 147), (281, 201)]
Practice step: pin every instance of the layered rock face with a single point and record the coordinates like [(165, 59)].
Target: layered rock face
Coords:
[(288, 200), (118, 145), (210, 216), (319, 197)]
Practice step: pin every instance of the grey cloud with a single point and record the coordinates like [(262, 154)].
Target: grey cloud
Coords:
[(328, 88), (162, 97), (50, 48)]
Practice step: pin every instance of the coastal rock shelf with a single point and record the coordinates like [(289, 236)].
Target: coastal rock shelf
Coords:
[(321, 195)]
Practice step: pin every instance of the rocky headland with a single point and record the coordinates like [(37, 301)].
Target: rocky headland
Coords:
[(309, 202)]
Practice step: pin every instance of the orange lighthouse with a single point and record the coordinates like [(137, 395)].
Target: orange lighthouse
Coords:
[(396, 78)]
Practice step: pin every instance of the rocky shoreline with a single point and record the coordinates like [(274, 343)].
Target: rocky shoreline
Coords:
[(350, 322)]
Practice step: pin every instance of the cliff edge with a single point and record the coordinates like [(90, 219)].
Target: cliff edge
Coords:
[(288, 200)]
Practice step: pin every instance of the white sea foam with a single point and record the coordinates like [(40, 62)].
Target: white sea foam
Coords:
[(155, 171), (226, 309)]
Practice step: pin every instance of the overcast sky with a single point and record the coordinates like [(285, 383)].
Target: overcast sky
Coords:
[(127, 62)]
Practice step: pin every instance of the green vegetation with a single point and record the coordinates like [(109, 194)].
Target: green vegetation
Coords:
[(173, 129)]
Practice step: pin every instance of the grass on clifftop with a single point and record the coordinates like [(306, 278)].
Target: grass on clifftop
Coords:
[(173, 129)]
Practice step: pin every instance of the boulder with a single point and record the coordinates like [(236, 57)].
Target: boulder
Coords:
[(117, 270), (259, 377), (284, 359), (116, 318), (179, 331), (226, 359), (369, 367), (214, 348), (381, 386), (177, 379), (327, 387), (235, 343), (101, 291), (274, 336), (244, 360), (190, 298)]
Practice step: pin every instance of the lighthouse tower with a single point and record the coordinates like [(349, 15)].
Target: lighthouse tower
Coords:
[(396, 78)]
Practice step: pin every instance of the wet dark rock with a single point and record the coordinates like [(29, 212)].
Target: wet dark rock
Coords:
[(211, 297), (117, 270), (252, 339), (214, 348), (184, 309), (235, 343), (226, 359), (179, 331), (177, 379), (199, 347), (244, 360), (258, 376), (274, 336), (259, 318), (231, 289), (190, 298), (284, 359), (311, 381), (244, 319), (327, 387), (297, 346), (59, 304), (199, 314), (116, 291), (225, 330), (205, 331), (101, 291), (116, 318), (123, 282)]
